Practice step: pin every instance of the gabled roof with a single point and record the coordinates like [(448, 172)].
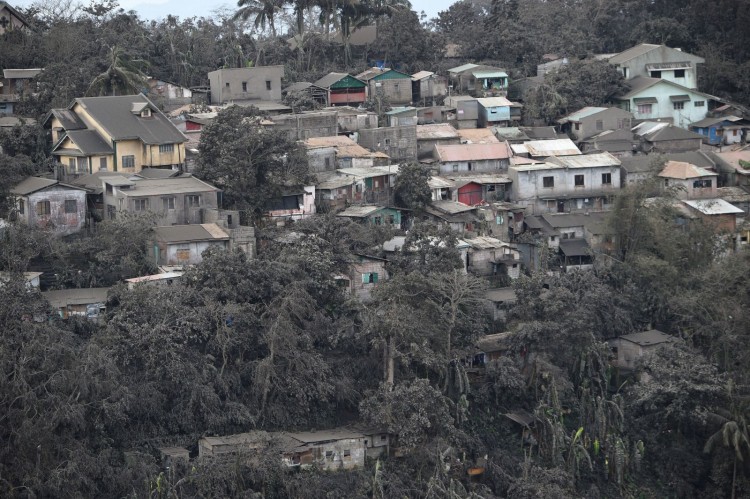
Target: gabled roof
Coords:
[(707, 122), (360, 211), (33, 184), (68, 119), (164, 186), (300, 86), (421, 75), (557, 147), (462, 68), (683, 171), (583, 113), (79, 296), (638, 84), (585, 160), (477, 136), (436, 131), (471, 152), (575, 247), (115, 115), (655, 132), (329, 80), (185, 233), (645, 48), (451, 207), (13, 11), (89, 143), (377, 73)]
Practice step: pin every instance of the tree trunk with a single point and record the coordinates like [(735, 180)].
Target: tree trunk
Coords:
[(390, 362)]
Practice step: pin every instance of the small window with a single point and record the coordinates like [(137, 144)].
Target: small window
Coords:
[(140, 204), (328, 162), (599, 125), (644, 108), (577, 126), (578, 180), (102, 163), (146, 113), (387, 142), (43, 208), (347, 453), (655, 74), (21, 206), (548, 181), (128, 161), (268, 84), (382, 438), (226, 84), (72, 165), (606, 178), (168, 203), (553, 238), (469, 166), (193, 201), (455, 168), (679, 106), (244, 86), (700, 103), (370, 278), (83, 165), (71, 206), (702, 184), (329, 455), (679, 73), (166, 148)]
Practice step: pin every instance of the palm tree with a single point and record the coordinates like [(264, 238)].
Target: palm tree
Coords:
[(733, 435), (123, 76), (263, 10)]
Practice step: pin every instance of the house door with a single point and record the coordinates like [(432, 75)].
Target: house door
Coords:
[(561, 206)]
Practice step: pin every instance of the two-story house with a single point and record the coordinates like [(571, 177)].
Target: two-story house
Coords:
[(689, 181), (472, 158), (566, 183), (13, 86), (592, 120), (124, 133), (658, 61), (177, 200), (261, 83), (389, 84)]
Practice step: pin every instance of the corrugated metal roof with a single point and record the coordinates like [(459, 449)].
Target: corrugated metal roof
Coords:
[(713, 206), (658, 66), (556, 147), (21, 73), (575, 247), (89, 142), (567, 220), (184, 233), (651, 337), (171, 185), (345, 147), (436, 131), (332, 78), (32, 184), (489, 74), (478, 136), (682, 170), (485, 242), (81, 296), (451, 207), (359, 211), (582, 113), (480, 178), (471, 152), (461, 69), (439, 183), (632, 53), (115, 116), (586, 160), (421, 75)]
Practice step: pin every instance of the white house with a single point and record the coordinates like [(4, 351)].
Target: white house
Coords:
[(566, 183), (658, 61)]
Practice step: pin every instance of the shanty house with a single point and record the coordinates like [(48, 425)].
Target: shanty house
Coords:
[(472, 158), (259, 83), (721, 215), (363, 274), (689, 181), (15, 84), (458, 216), (619, 143), (663, 137), (477, 188), (467, 111), (497, 111), (628, 348), (398, 142), (389, 84), (316, 93), (722, 130), (591, 121), (488, 256), (185, 244), (541, 149), (480, 80), (50, 204), (425, 86), (428, 136), (336, 449), (343, 89), (373, 215), (330, 153), (81, 302)]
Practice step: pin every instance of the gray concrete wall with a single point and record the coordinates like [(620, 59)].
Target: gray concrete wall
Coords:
[(226, 84), (58, 220), (400, 143)]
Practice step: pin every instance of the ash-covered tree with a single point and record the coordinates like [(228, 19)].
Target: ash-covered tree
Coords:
[(250, 162), (411, 189)]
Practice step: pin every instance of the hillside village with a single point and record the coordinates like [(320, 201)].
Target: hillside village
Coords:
[(368, 271)]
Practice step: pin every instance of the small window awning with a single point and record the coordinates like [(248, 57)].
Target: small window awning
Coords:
[(660, 66), (679, 98), (490, 74), (645, 100)]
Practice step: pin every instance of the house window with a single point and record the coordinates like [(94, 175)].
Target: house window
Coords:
[(378, 220), (128, 161), (166, 148), (268, 84), (387, 142), (568, 235), (548, 181), (700, 103), (102, 163), (43, 208), (599, 125), (21, 206), (395, 87), (328, 162), (578, 180), (382, 438), (578, 126), (168, 203), (226, 84), (606, 178), (244, 86), (552, 238), (347, 453), (679, 73), (146, 113), (455, 168), (82, 165), (193, 201), (370, 278), (71, 206), (644, 108), (702, 184), (655, 74), (625, 73), (72, 165), (469, 166), (679, 106), (329, 455), (140, 204)]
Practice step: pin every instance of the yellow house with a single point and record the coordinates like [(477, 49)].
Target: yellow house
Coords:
[(123, 133)]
